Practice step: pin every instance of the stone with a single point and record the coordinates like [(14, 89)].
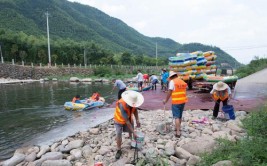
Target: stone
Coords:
[(169, 148), (104, 150), (48, 156), (94, 131), (174, 159), (99, 158), (71, 158), (16, 159), (207, 131), (216, 127), (193, 160), (199, 145), (34, 149), (72, 145), (77, 153), (151, 155), (74, 79), (181, 153), (65, 142), (121, 161), (56, 162), (54, 79), (31, 157), (233, 126), (86, 151), (53, 147), (86, 80), (223, 163), (43, 150)]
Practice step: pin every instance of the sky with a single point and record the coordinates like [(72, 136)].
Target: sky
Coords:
[(239, 27)]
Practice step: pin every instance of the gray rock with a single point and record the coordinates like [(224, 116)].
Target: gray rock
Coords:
[(54, 146), (56, 163), (43, 150), (99, 158), (216, 127), (86, 151), (233, 126), (65, 142), (181, 153), (94, 131), (16, 159), (87, 80), (223, 163), (169, 148), (71, 158), (104, 150), (193, 160), (199, 145), (54, 79), (48, 156), (74, 79), (77, 153), (207, 131), (72, 145), (31, 157), (33, 149), (174, 159), (151, 155)]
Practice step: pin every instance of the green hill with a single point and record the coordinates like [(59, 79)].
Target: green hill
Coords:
[(76, 24)]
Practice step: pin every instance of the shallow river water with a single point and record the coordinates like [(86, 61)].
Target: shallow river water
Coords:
[(33, 114)]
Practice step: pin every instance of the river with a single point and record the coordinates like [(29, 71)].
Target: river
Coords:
[(33, 113)]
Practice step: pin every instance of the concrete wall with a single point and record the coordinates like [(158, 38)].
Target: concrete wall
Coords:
[(27, 72)]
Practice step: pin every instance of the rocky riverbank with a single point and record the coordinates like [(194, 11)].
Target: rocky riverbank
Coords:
[(98, 144)]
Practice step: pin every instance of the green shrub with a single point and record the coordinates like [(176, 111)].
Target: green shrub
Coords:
[(101, 71), (251, 150)]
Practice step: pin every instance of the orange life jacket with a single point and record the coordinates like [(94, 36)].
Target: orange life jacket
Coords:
[(118, 116), (179, 92), (222, 95), (95, 97), (75, 99)]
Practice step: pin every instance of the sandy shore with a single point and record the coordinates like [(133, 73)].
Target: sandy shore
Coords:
[(98, 144)]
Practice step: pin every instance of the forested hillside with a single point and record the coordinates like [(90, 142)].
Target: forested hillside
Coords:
[(75, 28)]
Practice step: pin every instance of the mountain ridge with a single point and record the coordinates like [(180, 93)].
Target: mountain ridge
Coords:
[(72, 20)]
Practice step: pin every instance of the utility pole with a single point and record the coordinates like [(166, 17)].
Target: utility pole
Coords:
[(2, 59), (48, 40), (84, 57), (156, 54)]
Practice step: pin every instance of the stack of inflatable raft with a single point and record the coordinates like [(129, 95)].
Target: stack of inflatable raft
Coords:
[(194, 65)]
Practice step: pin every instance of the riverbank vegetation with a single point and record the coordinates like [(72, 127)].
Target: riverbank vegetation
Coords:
[(251, 150), (255, 65)]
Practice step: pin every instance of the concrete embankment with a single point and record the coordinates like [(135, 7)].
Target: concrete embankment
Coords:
[(28, 72), (98, 144)]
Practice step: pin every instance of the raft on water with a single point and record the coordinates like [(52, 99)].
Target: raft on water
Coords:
[(84, 105)]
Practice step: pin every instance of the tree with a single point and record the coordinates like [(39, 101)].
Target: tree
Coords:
[(126, 59)]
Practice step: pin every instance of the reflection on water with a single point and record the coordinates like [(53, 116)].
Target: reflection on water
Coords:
[(30, 110)]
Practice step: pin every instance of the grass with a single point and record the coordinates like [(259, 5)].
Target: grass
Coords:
[(251, 150)]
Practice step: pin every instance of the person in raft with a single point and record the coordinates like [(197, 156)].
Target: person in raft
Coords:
[(120, 85), (123, 119), (177, 90), (95, 97), (76, 99), (220, 92)]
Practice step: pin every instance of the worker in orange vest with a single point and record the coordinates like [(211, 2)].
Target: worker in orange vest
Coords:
[(123, 119), (220, 92), (177, 90)]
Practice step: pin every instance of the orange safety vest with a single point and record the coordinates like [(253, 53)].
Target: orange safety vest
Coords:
[(222, 95), (95, 97), (118, 116), (179, 92), (74, 99)]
